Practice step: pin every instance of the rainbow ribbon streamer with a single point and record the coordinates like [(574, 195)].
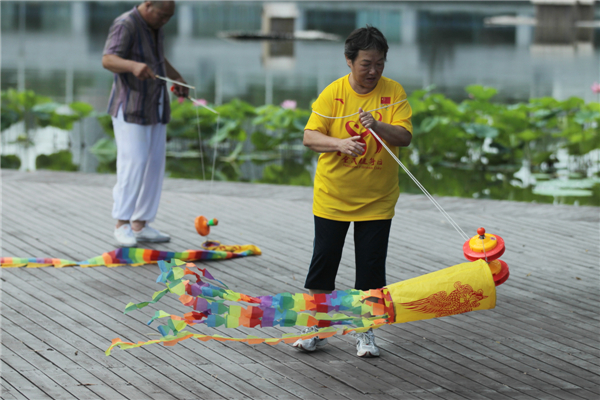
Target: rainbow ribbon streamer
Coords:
[(208, 303), (134, 257)]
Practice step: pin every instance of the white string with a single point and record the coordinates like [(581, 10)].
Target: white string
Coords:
[(429, 196), (482, 237), (198, 103), (375, 109), (212, 176), (199, 134)]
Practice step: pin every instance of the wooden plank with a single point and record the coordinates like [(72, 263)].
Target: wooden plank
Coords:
[(579, 393), (52, 367), (69, 239), (8, 393), (15, 248), (471, 369), (83, 378), (494, 330), (516, 358), (159, 363), (25, 389), (33, 385), (251, 388), (65, 350), (308, 387)]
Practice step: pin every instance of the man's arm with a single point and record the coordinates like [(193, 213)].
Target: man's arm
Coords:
[(119, 65), (316, 141), (172, 73)]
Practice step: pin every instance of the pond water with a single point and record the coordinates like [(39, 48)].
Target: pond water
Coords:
[(55, 49)]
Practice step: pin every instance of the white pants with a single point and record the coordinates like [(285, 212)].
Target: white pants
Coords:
[(141, 152)]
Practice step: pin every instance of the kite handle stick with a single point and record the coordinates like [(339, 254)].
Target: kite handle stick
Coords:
[(174, 82), (197, 103)]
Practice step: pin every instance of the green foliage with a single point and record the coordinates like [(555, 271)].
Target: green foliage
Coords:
[(185, 118), (438, 133), (107, 167), (10, 162), (105, 121), (40, 111), (18, 106), (81, 109), (23, 140), (59, 161), (275, 125), (481, 93), (56, 115), (289, 172), (191, 168), (477, 132), (105, 150)]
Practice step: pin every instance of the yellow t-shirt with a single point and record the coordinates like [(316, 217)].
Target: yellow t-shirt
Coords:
[(366, 187)]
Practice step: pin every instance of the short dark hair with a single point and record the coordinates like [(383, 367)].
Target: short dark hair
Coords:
[(160, 4), (366, 38)]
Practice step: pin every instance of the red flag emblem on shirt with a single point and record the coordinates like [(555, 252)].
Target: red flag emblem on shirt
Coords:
[(386, 100)]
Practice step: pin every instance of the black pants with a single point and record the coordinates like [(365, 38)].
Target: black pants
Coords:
[(370, 243)]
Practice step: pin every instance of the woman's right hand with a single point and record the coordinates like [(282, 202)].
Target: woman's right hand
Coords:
[(351, 146)]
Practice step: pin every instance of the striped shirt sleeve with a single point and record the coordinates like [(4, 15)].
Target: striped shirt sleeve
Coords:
[(119, 41)]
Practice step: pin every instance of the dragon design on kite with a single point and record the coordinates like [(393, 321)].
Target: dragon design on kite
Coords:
[(461, 300)]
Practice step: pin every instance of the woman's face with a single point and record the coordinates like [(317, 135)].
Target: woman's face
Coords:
[(366, 69)]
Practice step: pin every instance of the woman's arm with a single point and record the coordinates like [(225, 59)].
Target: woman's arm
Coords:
[(321, 143), (393, 134)]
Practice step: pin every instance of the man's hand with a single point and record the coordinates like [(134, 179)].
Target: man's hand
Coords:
[(142, 71), (118, 65), (181, 91), (351, 146)]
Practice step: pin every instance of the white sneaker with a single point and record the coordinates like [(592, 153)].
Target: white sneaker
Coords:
[(365, 344), (310, 344), (125, 236), (149, 234)]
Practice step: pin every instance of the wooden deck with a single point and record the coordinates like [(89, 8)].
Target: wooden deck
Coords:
[(540, 342)]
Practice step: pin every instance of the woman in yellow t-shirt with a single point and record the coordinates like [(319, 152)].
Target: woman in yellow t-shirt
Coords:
[(356, 179)]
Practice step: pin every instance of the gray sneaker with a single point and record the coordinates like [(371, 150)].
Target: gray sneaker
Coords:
[(365, 344), (149, 234), (124, 235), (311, 344)]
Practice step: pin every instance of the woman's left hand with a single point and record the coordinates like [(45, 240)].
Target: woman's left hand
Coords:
[(366, 119)]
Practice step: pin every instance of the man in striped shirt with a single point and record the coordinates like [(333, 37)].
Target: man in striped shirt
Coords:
[(139, 106)]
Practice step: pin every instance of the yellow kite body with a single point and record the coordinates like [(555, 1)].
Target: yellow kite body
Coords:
[(455, 290)]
